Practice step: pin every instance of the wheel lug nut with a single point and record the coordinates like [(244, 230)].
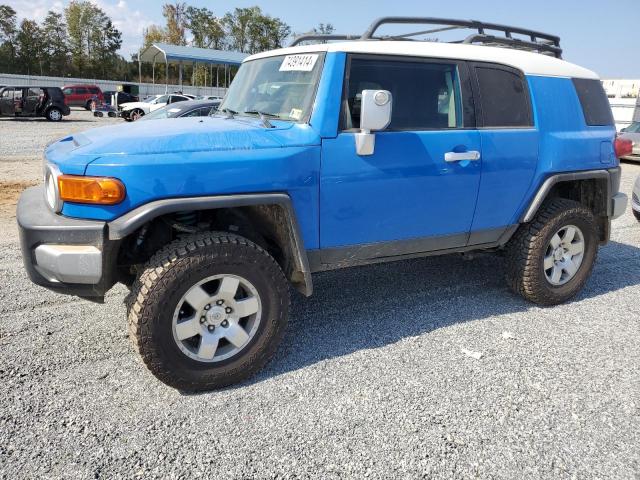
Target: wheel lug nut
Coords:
[(207, 306), (219, 302), (211, 328), (225, 324), (203, 319), (228, 309)]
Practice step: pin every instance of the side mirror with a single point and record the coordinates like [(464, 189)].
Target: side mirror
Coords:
[(375, 114)]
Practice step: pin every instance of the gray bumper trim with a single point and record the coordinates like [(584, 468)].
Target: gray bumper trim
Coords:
[(80, 264)]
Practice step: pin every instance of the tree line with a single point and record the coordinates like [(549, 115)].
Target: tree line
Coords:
[(83, 41)]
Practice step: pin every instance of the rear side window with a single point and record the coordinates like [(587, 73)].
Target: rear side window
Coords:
[(81, 91), (94, 90), (594, 101), (504, 98)]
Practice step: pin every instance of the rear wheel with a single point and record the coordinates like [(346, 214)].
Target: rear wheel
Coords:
[(550, 259), (54, 114), (208, 311)]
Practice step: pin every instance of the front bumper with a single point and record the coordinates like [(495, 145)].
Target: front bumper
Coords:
[(64, 254)]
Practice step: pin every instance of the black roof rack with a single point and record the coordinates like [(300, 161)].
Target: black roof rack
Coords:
[(539, 42)]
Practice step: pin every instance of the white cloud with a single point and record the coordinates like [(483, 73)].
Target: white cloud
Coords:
[(129, 20)]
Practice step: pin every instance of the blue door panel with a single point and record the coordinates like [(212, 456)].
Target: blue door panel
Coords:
[(404, 190), (509, 161)]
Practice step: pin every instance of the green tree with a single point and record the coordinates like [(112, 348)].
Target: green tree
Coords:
[(176, 16), (206, 28), (55, 44), (251, 31), (29, 48), (153, 34), (8, 31), (324, 29)]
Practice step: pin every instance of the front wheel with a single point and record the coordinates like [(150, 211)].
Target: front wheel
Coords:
[(550, 259), (208, 311)]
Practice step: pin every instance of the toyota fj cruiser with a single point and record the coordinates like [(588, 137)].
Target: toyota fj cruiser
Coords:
[(326, 156)]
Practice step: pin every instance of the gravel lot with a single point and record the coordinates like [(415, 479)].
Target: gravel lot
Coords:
[(371, 379)]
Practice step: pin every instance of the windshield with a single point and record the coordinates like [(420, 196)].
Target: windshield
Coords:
[(633, 128), (279, 87)]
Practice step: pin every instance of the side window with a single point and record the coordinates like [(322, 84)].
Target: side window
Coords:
[(162, 99), (595, 105), (425, 95), (178, 98), (198, 112), (7, 94), (94, 90), (67, 91), (504, 98), (35, 92), (81, 91)]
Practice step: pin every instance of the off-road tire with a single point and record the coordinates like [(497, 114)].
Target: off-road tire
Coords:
[(170, 273), (51, 114), (526, 250)]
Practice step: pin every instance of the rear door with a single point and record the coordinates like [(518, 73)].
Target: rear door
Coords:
[(70, 96), (34, 97), (509, 147), (411, 195)]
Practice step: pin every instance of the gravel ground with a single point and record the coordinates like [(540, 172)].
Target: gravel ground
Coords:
[(371, 380)]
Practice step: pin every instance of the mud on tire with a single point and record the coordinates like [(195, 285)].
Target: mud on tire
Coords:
[(165, 279), (525, 252)]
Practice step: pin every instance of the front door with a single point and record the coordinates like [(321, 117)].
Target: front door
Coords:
[(6, 103), (418, 191)]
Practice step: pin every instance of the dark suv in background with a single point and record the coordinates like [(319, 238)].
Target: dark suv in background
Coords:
[(82, 95), (23, 101)]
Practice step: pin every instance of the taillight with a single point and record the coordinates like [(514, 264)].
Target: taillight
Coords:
[(623, 147)]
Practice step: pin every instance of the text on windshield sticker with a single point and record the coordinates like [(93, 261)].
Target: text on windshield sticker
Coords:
[(298, 63)]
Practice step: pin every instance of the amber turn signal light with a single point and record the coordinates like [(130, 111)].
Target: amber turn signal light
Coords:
[(96, 190)]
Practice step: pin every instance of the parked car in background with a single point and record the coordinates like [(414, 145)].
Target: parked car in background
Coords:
[(82, 95), (194, 108), (632, 132), (22, 101), (134, 110), (122, 97), (635, 199)]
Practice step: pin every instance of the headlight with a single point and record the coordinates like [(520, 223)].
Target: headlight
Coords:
[(51, 192)]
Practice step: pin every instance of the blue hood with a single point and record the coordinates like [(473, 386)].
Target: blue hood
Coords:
[(72, 154)]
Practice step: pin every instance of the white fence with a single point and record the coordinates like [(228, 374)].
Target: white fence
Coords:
[(145, 88)]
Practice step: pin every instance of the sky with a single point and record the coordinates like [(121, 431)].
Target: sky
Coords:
[(597, 34)]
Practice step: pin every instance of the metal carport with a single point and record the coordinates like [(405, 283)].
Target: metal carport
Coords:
[(181, 55)]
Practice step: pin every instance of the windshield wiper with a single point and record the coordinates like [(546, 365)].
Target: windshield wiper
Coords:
[(263, 117)]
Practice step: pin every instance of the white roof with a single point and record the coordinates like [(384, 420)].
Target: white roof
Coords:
[(530, 63)]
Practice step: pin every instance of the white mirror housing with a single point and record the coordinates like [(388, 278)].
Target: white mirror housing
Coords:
[(375, 114)]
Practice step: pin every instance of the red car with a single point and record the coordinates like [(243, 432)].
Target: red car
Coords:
[(82, 95)]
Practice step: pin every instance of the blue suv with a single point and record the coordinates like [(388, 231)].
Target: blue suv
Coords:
[(324, 156)]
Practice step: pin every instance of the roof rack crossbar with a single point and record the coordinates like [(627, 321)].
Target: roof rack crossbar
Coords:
[(323, 37), (543, 48)]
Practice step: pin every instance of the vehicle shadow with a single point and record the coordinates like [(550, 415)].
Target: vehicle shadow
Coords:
[(373, 306)]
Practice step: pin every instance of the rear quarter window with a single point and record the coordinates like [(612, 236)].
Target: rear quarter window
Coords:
[(594, 101), (504, 98)]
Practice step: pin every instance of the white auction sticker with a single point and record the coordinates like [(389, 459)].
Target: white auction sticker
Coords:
[(298, 63)]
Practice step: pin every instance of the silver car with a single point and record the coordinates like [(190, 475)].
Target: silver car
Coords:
[(635, 199), (632, 132)]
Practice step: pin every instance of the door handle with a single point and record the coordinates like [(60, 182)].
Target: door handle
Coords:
[(471, 155)]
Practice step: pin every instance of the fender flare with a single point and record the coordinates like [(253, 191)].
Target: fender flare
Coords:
[(131, 221), (548, 184)]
